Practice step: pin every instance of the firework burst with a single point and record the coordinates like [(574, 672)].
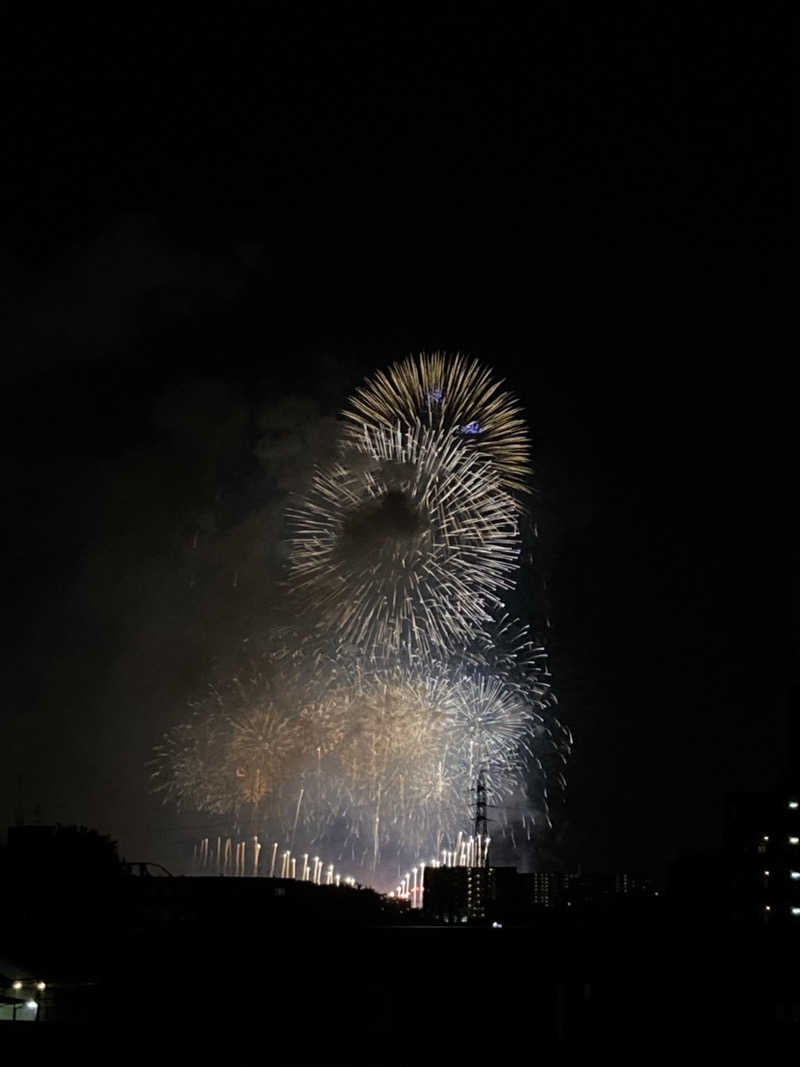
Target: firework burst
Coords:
[(192, 765), (508, 650), (361, 730), (417, 737), (380, 765), (388, 775), (491, 728), (263, 741), (248, 743), (404, 542), (453, 396)]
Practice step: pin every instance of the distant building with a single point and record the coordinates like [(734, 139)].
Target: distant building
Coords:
[(602, 892), (591, 892), (755, 876), (544, 890), (762, 857), (487, 894), (467, 894)]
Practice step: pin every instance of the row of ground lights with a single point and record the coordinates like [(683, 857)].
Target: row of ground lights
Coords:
[(794, 875), (41, 986)]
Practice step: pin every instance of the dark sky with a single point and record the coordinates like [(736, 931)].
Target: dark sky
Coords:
[(214, 227)]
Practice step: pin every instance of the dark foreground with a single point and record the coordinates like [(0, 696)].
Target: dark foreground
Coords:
[(239, 981)]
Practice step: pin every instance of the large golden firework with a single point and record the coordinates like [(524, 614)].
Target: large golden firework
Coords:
[(453, 396)]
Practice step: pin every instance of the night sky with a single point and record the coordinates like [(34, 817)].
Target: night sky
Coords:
[(216, 225)]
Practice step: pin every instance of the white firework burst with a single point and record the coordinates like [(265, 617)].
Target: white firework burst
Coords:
[(405, 542)]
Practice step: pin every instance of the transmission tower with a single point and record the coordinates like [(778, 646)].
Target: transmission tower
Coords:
[(481, 820)]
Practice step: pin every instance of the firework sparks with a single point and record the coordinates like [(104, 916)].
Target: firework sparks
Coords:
[(492, 729), (384, 763), (389, 774), (453, 396), (191, 765), (406, 542), (362, 736), (418, 735), (248, 743)]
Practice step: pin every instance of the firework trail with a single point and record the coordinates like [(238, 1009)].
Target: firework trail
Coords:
[(406, 542), (453, 396)]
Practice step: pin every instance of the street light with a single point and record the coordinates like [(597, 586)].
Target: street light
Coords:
[(31, 1004)]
